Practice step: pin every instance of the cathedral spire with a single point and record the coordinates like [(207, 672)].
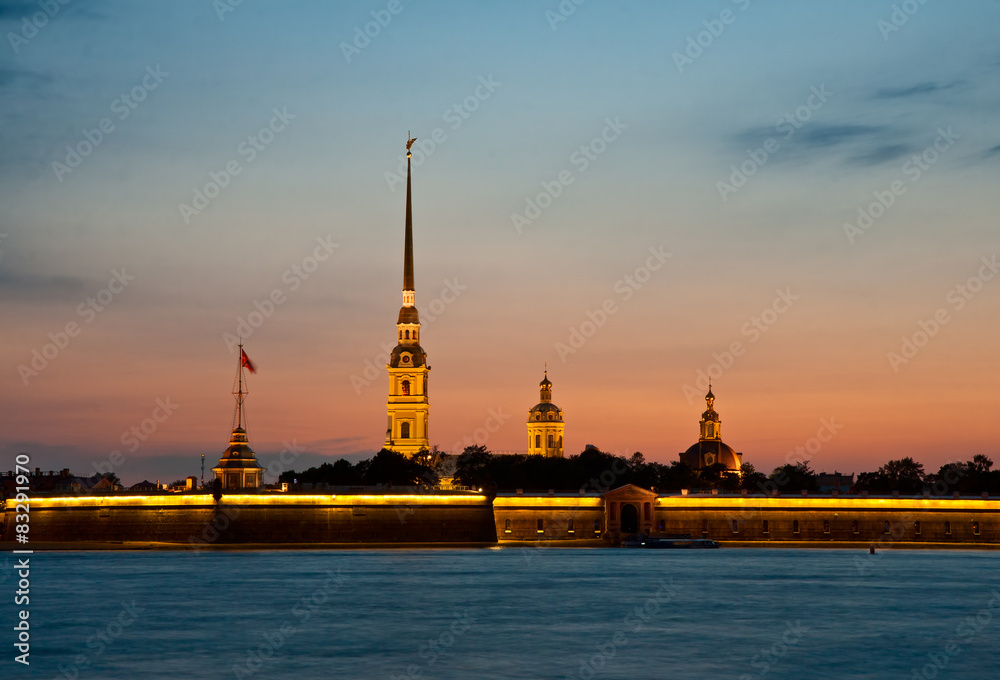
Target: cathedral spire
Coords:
[(408, 405), (408, 286)]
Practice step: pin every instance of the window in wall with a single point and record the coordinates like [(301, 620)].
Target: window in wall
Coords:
[(885, 527), (704, 527), (550, 441), (597, 526), (406, 388), (540, 529), (506, 526), (736, 526), (663, 525), (766, 527), (407, 335), (795, 526), (569, 526), (404, 431), (826, 526), (947, 528), (916, 528), (538, 441), (975, 527), (855, 528)]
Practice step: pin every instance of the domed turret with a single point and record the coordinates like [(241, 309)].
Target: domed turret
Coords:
[(710, 449), (545, 424)]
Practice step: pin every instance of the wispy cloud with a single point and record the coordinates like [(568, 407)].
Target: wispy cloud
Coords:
[(915, 90), (33, 287)]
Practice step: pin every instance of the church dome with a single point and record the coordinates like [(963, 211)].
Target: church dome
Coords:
[(545, 407), (710, 451)]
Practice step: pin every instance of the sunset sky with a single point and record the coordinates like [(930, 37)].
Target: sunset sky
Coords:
[(566, 165)]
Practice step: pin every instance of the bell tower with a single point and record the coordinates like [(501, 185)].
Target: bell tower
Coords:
[(408, 405)]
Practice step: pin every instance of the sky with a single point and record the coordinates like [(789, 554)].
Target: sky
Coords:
[(796, 199)]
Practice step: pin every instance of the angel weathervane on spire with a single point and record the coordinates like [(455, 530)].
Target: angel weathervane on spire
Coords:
[(409, 143)]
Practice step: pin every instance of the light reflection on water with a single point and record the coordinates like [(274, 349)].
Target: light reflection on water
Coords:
[(514, 613)]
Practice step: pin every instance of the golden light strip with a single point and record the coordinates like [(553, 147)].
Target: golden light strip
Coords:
[(254, 499), (829, 502)]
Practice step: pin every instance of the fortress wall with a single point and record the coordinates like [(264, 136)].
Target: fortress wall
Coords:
[(823, 519), (197, 520), (517, 518)]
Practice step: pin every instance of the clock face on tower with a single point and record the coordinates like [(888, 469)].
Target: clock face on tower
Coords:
[(406, 358)]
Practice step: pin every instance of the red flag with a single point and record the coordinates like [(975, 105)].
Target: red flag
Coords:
[(246, 362)]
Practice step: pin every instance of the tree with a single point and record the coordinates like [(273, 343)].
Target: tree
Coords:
[(473, 468), (113, 479), (795, 478), (904, 475), (711, 476), (390, 467), (678, 475), (750, 479)]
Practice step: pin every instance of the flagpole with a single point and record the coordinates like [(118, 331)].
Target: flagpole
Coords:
[(239, 397)]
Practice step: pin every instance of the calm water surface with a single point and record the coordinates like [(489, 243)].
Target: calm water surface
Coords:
[(513, 613)]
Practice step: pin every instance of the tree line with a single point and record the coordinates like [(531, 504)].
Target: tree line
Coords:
[(594, 470)]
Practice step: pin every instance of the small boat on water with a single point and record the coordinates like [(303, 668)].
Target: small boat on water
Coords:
[(662, 543)]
